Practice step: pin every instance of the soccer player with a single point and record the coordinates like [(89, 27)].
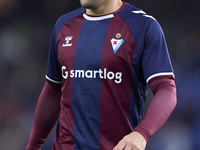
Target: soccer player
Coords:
[(102, 58)]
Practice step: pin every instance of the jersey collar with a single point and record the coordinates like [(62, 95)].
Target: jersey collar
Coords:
[(92, 18)]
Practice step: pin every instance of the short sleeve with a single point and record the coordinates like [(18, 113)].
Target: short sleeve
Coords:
[(53, 72), (156, 60)]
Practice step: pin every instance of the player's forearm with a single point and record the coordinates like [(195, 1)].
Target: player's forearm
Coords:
[(46, 115), (161, 107)]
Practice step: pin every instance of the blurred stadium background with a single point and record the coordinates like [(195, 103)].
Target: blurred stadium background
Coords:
[(25, 31)]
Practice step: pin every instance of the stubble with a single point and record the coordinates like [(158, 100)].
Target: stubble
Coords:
[(89, 4)]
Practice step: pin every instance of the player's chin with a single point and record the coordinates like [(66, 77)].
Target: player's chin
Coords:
[(89, 4)]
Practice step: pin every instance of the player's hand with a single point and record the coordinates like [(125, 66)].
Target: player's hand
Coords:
[(132, 141)]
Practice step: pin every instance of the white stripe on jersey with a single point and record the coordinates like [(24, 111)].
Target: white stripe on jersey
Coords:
[(160, 74), (52, 80), (139, 12)]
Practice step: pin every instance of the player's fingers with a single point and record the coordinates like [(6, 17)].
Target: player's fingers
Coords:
[(127, 144), (121, 145), (131, 146)]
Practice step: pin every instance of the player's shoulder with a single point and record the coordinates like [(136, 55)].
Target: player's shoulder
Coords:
[(134, 14), (62, 20), (138, 20), (69, 16)]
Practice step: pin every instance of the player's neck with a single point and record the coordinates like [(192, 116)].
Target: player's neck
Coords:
[(105, 9)]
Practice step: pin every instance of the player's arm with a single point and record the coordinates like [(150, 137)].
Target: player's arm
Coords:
[(162, 105), (46, 115)]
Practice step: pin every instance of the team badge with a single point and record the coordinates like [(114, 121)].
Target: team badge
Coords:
[(116, 42)]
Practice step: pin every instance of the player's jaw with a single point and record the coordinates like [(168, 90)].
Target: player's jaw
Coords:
[(100, 7), (90, 4)]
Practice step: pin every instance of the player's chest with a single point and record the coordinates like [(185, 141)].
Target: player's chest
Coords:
[(91, 44)]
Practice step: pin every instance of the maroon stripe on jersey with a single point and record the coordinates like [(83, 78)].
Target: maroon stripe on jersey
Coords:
[(115, 97), (66, 51)]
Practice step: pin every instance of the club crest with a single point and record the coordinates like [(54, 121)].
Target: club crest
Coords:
[(116, 42)]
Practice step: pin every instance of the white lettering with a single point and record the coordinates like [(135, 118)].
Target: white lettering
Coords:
[(95, 72), (118, 77), (72, 73), (102, 74), (88, 72), (64, 73), (110, 75), (78, 73)]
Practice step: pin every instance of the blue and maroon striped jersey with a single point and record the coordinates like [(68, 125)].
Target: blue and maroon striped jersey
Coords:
[(104, 64)]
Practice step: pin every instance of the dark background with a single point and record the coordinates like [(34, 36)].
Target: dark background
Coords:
[(25, 31)]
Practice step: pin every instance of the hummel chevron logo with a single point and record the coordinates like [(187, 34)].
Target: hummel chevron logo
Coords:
[(68, 39), (139, 12), (144, 14)]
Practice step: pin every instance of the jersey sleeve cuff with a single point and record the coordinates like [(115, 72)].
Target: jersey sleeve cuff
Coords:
[(143, 132), (54, 81), (160, 74)]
